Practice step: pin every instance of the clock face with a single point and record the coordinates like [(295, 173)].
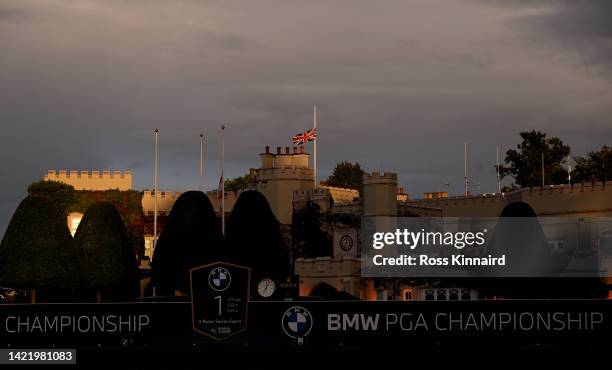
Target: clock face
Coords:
[(346, 243), (266, 287)]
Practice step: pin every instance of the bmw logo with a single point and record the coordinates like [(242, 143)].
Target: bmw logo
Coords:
[(297, 322), (219, 279)]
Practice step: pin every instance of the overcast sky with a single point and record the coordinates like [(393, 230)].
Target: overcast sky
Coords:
[(400, 85)]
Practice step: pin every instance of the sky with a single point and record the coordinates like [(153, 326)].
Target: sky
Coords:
[(399, 85)]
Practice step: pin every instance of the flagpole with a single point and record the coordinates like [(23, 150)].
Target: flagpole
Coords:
[(498, 179), (222, 181), (465, 177), (155, 193), (202, 162), (569, 171), (314, 122)]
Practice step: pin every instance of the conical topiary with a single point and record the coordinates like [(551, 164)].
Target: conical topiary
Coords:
[(191, 237), (109, 263), (254, 238), (37, 251)]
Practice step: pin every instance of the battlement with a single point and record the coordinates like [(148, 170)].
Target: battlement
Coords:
[(327, 267), (288, 172), (377, 176), (296, 159), (458, 200), (92, 180), (341, 195), (321, 197), (353, 208), (566, 188), (162, 194), (586, 198), (165, 201), (311, 192)]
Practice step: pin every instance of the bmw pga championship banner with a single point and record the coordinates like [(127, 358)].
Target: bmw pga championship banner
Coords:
[(310, 324)]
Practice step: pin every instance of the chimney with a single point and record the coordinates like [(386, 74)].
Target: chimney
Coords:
[(267, 149), (295, 150), (302, 149), (286, 150), (278, 150)]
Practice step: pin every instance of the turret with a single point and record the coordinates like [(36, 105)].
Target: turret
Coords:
[(379, 194)]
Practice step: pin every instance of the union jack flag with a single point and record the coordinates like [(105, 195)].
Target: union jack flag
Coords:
[(302, 138)]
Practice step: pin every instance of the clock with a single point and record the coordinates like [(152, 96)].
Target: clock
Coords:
[(266, 288), (346, 243)]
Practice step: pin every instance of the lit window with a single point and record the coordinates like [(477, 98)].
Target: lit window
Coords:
[(74, 219)]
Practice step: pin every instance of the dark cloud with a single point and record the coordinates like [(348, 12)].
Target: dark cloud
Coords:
[(399, 85), (582, 29)]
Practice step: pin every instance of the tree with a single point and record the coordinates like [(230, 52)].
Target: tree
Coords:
[(595, 166), (525, 163), (254, 238), (191, 238), (309, 241), (129, 205), (127, 202), (37, 252), (60, 194), (109, 263), (346, 175), (238, 183)]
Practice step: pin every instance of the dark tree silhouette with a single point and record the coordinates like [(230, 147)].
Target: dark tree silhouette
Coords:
[(525, 163), (191, 238), (61, 195), (254, 238), (37, 252), (308, 240), (595, 166), (346, 175), (109, 263)]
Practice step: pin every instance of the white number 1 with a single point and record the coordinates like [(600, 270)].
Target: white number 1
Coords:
[(219, 298)]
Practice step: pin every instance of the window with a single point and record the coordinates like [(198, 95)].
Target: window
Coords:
[(74, 219), (386, 295), (466, 295), (407, 294), (441, 294), (389, 295), (453, 294), (557, 245), (430, 294)]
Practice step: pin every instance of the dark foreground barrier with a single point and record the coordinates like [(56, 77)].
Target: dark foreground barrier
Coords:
[(312, 325)]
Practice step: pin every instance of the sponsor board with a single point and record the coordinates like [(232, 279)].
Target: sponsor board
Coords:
[(358, 324)]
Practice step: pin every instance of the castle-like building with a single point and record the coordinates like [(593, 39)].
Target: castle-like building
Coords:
[(381, 197), (286, 179)]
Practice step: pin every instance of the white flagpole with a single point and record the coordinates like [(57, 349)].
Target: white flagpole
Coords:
[(314, 122), (498, 179), (202, 162), (222, 181), (465, 176), (569, 171), (155, 194)]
